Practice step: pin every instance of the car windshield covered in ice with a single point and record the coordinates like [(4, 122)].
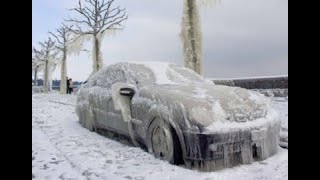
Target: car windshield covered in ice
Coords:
[(151, 73), (179, 116)]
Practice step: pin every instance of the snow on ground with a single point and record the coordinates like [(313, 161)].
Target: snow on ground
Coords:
[(281, 105), (62, 149)]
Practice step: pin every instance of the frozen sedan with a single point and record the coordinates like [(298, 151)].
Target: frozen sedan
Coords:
[(179, 116)]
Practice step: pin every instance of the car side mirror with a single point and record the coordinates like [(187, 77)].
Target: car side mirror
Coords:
[(127, 91)]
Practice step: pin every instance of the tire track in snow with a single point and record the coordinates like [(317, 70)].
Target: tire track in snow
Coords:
[(63, 103), (50, 151)]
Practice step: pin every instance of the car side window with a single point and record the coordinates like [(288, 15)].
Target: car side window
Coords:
[(140, 75), (112, 76)]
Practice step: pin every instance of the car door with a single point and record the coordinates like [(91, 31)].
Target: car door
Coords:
[(107, 116)]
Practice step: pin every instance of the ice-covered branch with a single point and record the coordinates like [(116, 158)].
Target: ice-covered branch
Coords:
[(95, 18)]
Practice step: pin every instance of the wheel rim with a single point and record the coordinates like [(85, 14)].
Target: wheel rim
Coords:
[(162, 143)]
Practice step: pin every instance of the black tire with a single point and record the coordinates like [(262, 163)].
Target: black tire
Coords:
[(164, 142)]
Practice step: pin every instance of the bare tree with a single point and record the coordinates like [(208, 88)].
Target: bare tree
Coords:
[(97, 17), (63, 38), (37, 62), (48, 56), (191, 35)]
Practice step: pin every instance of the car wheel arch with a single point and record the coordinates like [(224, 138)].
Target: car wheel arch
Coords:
[(175, 127)]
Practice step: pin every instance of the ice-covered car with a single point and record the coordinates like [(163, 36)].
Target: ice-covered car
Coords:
[(179, 116)]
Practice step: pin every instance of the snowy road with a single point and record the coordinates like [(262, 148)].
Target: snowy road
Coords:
[(62, 149)]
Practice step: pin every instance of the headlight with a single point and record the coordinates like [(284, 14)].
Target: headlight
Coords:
[(201, 115), (207, 115)]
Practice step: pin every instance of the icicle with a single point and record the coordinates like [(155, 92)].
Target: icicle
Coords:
[(75, 47)]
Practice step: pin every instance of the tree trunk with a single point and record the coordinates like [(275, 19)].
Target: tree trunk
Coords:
[(46, 77), (36, 76), (97, 55), (50, 82), (192, 37), (193, 58), (63, 81)]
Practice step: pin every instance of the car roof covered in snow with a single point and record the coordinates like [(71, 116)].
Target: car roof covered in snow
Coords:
[(147, 73)]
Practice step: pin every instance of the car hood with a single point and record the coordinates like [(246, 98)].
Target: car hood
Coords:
[(208, 103)]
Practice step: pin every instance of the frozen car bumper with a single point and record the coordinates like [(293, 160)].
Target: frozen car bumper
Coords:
[(220, 150)]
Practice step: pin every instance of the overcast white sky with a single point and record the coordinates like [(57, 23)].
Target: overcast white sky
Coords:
[(240, 37)]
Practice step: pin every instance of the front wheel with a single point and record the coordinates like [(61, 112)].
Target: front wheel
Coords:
[(164, 142)]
